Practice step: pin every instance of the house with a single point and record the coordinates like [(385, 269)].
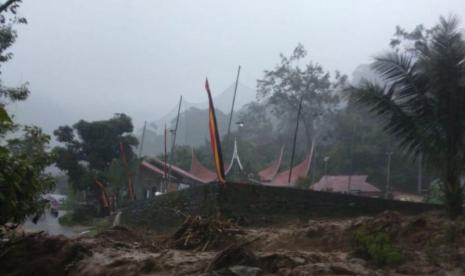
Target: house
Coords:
[(353, 184)]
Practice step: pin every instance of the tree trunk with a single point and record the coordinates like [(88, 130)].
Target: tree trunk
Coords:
[(453, 195)]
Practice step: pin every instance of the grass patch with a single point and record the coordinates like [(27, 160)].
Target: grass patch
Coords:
[(377, 248), (80, 215), (99, 225)]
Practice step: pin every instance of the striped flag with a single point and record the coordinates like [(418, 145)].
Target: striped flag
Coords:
[(214, 137)]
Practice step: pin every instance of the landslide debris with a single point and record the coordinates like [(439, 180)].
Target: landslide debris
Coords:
[(430, 244), (199, 234)]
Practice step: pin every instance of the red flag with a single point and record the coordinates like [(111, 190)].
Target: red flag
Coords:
[(215, 138)]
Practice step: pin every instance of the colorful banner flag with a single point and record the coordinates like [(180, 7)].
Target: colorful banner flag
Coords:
[(215, 138)]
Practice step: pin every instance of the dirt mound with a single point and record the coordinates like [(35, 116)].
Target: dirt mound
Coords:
[(38, 254), (199, 233), (119, 233)]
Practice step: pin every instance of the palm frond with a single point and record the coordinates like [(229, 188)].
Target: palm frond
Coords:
[(397, 121)]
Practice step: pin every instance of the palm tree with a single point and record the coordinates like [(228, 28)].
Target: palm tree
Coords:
[(422, 104)]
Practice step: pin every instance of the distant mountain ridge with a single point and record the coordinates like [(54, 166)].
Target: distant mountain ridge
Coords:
[(222, 102)]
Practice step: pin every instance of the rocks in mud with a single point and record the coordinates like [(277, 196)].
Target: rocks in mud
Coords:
[(42, 254), (233, 255)]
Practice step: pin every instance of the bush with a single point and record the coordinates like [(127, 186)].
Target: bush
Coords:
[(82, 214), (376, 247)]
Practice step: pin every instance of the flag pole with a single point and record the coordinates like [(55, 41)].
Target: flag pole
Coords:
[(173, 146), (234, 100), (295, 138)]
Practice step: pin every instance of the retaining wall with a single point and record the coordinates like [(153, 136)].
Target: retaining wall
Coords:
[(258, 205)]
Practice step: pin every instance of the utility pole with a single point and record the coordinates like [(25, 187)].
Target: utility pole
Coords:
[(173, 146), (388, 177), (295, 137), (234, 100)]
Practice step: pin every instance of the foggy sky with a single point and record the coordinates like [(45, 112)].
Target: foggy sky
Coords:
[(89, 59)]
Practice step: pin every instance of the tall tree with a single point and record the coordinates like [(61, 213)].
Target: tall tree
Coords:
[(284, 86), (22, 159), (90, 148), (422, 103)]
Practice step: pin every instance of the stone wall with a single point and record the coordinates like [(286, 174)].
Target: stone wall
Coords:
[(258, 205)]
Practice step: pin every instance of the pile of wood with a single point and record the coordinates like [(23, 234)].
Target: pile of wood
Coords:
[(200, 234)]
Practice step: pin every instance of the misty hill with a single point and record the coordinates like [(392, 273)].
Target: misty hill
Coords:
[(192, 130), (222, 102)]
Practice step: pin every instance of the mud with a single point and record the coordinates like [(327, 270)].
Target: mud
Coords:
[(430, 243)]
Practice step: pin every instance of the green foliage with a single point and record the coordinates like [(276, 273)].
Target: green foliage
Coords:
[(435, 194), (422, 100), (22, 159), (22, 179), (81, 214), (117, 180), (287, 83), (99, 225), (376, 247), (92, 149), (356, 144), (71, 201)]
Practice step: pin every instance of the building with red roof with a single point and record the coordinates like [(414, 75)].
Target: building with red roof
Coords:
[(353, 184)]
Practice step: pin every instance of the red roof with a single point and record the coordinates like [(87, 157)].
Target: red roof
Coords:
[(301, 170), (179, 171), (270, 172), (340, 183), (200, 171), (151, 167)]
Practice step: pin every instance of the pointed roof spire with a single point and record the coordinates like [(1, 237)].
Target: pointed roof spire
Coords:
[(235, 157)]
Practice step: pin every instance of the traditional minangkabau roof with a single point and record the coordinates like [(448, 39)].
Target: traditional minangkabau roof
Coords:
[(151, 167), (267, 174), (301, 170), (200, 171), (174, 169), (340, 183), (235, 159)]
